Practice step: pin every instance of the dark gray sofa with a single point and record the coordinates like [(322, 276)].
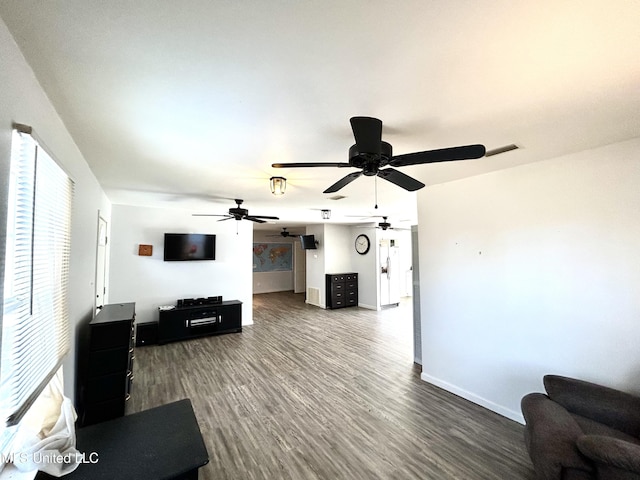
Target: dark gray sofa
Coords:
[(579, 430)]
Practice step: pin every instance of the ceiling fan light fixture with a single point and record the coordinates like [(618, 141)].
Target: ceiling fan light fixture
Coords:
[(326, 214), (278, 185)]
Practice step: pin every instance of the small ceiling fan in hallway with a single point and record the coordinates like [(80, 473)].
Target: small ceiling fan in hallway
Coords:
[(284, 233), (238, 213)]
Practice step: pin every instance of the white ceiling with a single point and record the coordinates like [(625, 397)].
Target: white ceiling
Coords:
[(187, 104)]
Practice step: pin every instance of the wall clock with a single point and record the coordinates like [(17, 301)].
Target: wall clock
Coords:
[(362, 244)]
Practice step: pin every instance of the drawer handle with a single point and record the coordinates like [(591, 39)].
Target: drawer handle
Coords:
[(127, 397)]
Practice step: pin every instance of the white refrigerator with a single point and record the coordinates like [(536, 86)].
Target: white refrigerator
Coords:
[(389, 274)]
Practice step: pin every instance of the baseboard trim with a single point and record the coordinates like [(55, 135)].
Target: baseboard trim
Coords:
[(315, 304), (472, 397), (369, 307)]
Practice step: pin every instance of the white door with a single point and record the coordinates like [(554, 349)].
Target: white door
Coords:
[(101, 262)]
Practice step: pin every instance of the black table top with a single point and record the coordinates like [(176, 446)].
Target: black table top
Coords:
[(157, 444), (114, 312)]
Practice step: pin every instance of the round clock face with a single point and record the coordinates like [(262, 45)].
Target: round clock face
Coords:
[(362, 244)]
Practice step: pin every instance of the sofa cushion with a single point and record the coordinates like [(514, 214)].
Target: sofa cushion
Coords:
[(550, 435), (591, 427), (618, 410), (615, 459)]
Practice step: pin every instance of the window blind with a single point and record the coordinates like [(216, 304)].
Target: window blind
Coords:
[(35, 322)]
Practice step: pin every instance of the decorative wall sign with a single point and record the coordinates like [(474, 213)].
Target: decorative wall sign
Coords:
[(145, 250)]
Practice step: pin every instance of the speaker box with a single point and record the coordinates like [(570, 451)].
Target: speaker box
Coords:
[(146, 334)]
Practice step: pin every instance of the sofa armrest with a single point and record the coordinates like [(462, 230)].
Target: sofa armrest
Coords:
[(614, 458), (551, 434), (614, 408)]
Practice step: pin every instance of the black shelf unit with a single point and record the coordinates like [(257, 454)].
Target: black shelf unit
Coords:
[(106, 356), (341, 290), (183, 323)]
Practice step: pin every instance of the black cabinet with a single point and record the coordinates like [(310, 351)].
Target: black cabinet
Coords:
[(106, 364), (341, 290), (182, 323), (146, 334)]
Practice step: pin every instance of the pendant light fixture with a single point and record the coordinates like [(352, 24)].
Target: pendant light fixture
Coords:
[(278, 185)]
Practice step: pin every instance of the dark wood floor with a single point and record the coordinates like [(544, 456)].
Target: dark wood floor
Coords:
[(307, 393)]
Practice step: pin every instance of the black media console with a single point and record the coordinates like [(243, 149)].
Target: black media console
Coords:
[(181, 323)]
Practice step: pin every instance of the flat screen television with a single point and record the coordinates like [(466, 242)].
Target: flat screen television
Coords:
[(189, 246), (308, 242)]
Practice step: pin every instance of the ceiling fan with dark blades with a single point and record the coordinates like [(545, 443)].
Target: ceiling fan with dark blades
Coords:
[(238, 213), (384, 225), (372, 155), (284, 233)]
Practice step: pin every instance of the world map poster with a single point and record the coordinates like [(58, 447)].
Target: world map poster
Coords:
[(272, 257)]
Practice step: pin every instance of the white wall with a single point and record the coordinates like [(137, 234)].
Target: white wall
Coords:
[(151, 282), (266, 282), (367, 267), (22, 100), (338, 248), (533, 270)]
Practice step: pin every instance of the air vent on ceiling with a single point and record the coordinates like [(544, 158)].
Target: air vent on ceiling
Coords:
[(499, 150), (337, 197)]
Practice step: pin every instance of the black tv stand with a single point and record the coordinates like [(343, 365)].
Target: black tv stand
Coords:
[(182, 323)]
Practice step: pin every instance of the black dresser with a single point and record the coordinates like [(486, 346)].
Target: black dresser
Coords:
[(342, 290), (106, 364)]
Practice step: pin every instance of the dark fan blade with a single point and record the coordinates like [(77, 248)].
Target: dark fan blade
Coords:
[(503, 149), (466, 152), (400, 179), (319, 164), (254, 219), (368, 134), (263, 216), (229, 217), (342, 182)]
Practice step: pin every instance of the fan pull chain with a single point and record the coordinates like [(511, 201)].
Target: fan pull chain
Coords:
[(375, 186)]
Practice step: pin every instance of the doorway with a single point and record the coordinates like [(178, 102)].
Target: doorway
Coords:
[(299, 268), (101, 263)]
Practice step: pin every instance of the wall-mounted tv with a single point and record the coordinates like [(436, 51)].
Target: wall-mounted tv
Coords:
[(189, 246), (308, 242)]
